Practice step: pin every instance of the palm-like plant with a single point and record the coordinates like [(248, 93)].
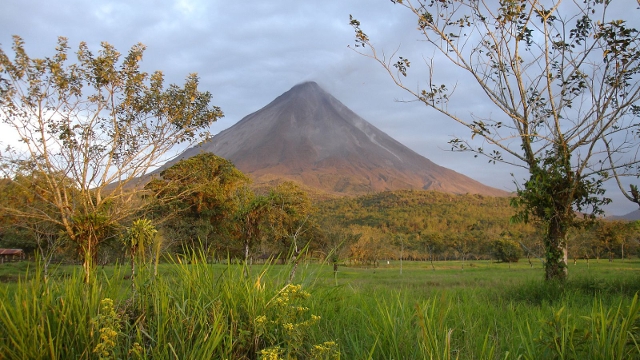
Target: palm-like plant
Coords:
[(138, 236)]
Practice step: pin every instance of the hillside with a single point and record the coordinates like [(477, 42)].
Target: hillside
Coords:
[(413, 212)]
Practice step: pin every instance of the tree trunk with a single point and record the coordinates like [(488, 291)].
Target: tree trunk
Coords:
[(87, 262), (401, 256), (555, 264), (295, 261), (246, 259), (133, 272), (90, 254)]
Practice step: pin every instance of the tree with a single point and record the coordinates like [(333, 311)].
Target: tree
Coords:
[(98, 121), (610, 236), (13, 233), (288, 216), (433, 242), (462, 244), (337, 241), (371, 245), (279, 218), (581, 243), (506, 250), (399, 239), (633, 232), (198, 198), (563, 79)]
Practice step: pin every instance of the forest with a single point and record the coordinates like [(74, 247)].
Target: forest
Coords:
[(426, 225)]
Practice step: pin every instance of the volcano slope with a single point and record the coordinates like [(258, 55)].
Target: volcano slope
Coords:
[(308, 136)]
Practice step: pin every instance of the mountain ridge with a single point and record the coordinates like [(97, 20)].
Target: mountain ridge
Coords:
[(631, 216)]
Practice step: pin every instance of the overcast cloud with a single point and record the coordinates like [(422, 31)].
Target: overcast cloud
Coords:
[(249, 52)]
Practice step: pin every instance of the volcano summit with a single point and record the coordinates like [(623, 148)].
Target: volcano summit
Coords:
[(308, 136)]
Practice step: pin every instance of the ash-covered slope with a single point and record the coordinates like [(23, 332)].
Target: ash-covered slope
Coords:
[(309, 136)]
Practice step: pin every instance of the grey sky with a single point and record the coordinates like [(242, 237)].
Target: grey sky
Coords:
[(248, 52)]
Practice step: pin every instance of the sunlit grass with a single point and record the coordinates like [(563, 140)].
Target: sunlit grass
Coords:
[(195, 310)]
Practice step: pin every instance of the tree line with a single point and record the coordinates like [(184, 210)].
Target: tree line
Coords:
[(205, 203), (428, 225)]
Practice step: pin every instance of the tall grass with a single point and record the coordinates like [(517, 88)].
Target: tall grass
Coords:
[(196, 310)]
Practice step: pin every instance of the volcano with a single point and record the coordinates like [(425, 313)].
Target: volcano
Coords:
[(308, 136)]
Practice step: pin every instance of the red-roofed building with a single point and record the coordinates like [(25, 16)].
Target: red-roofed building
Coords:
[(11, 255)]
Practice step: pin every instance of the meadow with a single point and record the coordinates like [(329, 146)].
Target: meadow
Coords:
[(196, 310)]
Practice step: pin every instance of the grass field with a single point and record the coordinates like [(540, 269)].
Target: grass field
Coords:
[(195, 310)]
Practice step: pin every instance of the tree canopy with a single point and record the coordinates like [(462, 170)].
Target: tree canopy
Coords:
[(197, 198)]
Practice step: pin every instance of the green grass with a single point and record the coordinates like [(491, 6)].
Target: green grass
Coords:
[(195, 310)]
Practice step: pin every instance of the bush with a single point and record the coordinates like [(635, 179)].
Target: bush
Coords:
[(506, 250)]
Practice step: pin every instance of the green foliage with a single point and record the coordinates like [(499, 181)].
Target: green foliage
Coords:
[(287, 218), (603, 334), (250, 223), (206, 201), (506, 250), (552, 195), (634, 194), (285, 326), (139, 236), (198, 198), (94, 228), (554, 189), (27, 194), (411, 210), (370, 247), (435, 336), (279, 221), (107, 326), (434, 225)]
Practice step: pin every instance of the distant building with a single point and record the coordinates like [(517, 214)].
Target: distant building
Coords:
[(11, 255)]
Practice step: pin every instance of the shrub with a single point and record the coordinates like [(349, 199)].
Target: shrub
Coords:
[(506, 250)]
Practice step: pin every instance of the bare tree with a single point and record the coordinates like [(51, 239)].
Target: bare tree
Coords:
[(563, 79), (92, 128)]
